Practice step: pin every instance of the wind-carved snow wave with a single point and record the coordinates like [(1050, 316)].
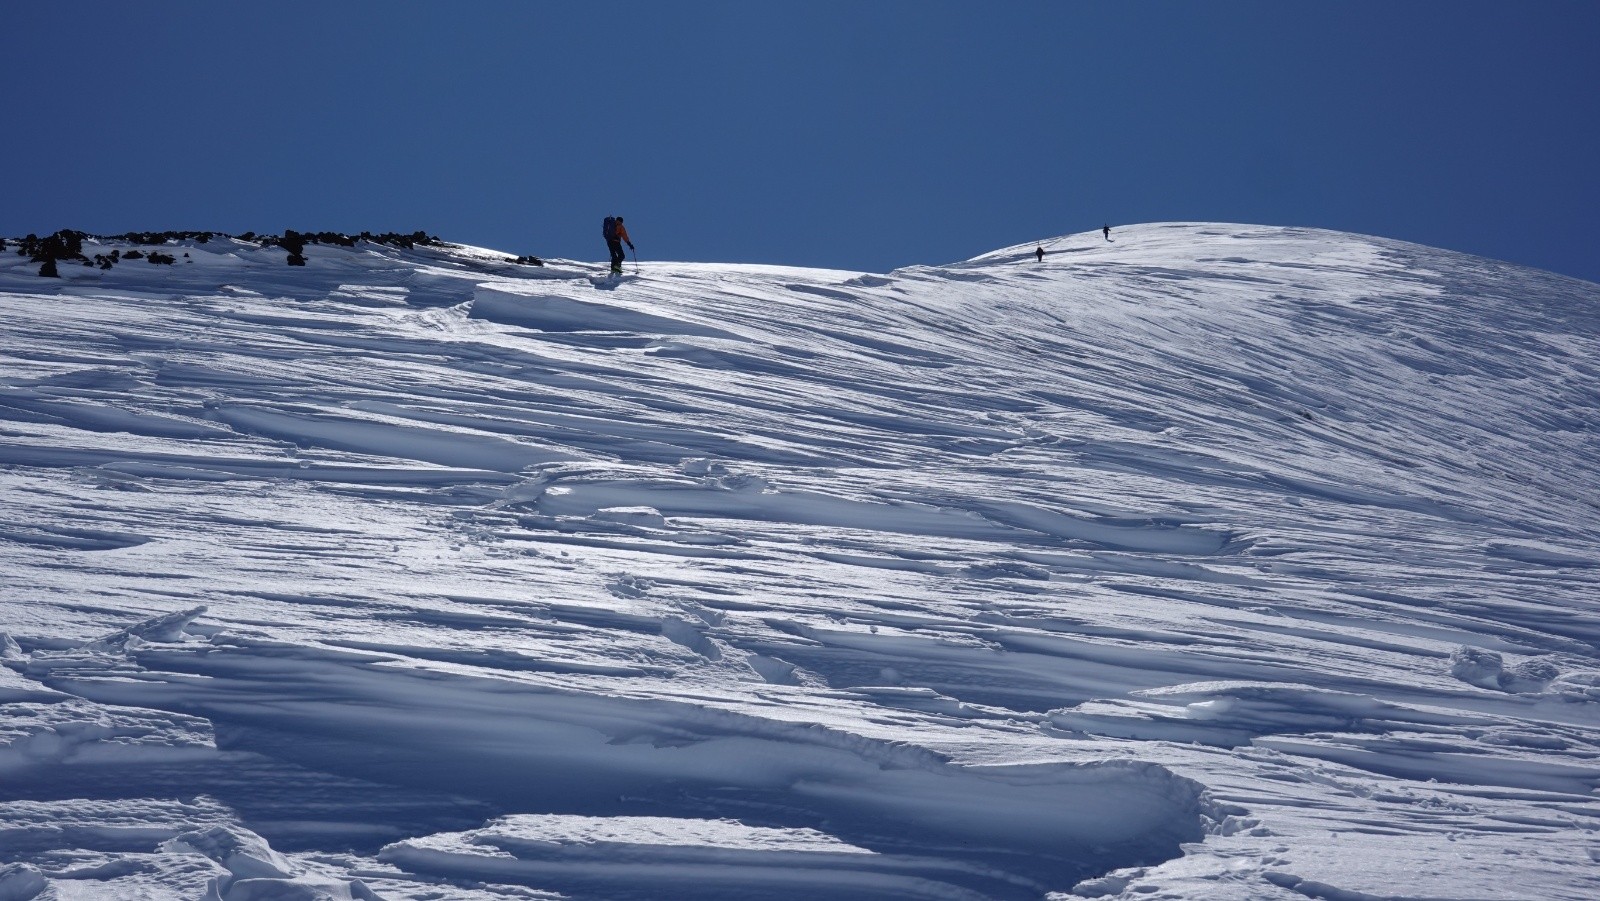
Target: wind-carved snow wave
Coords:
[(584, 491), (926, 826), (555, 313)]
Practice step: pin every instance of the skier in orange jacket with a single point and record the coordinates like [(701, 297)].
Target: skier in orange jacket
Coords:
[(615, 234)]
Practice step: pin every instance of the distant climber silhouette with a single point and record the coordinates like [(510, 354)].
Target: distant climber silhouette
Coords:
[(1039, 252)]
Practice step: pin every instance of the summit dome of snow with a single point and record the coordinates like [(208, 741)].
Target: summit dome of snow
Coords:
[(1210, 561)]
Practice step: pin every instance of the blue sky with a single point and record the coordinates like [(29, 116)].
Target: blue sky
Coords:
[(857, 135)]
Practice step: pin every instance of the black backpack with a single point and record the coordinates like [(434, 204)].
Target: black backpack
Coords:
[(609, 228)]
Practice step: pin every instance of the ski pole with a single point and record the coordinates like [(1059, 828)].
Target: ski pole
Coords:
[(635, 253)]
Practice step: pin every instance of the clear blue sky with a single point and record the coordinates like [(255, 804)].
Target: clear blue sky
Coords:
[(864, 135)]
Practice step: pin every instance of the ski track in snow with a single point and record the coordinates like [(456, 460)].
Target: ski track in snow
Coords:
[(1218, 561)]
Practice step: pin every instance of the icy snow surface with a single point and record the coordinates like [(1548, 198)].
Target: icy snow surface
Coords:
[(1208, 562)]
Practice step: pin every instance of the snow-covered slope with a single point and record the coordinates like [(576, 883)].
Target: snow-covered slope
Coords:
[(1208, 562)]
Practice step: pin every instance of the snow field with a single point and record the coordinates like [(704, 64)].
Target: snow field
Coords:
[(1221, 561)]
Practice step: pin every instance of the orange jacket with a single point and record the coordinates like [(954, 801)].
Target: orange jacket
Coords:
[(622, 234)]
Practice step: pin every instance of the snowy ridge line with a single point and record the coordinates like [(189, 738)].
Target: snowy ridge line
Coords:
[(1213, 561)]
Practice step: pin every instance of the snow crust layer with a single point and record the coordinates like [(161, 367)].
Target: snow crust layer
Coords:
[(1212, 561)]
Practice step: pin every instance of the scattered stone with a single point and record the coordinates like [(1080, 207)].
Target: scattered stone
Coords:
[(68, 245)]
